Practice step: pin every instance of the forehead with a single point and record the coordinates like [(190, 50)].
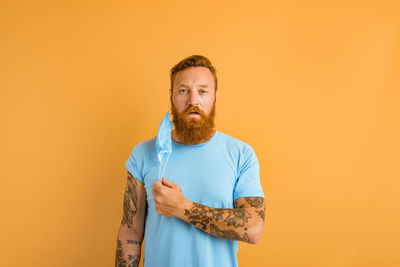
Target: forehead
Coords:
[(194, 76)]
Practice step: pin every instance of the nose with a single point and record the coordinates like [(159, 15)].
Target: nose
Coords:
[(193, 99)]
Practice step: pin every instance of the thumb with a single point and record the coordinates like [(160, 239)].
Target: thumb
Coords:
[(168, 183)]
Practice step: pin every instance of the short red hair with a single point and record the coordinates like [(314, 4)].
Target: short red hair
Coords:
[(193, 61)]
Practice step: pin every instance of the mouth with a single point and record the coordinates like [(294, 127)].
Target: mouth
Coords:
[(193, 114)]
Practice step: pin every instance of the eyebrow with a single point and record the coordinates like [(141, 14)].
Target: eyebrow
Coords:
[(200, 85)]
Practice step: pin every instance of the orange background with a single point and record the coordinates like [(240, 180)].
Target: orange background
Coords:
[(313, 86)]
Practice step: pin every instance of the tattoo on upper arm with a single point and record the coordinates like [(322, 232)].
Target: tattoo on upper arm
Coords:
[(130, 201), (261, 214), (257, 203), (235, 204)]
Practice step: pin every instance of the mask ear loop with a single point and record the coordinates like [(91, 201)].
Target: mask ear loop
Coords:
[(159, 171), (163, 168)]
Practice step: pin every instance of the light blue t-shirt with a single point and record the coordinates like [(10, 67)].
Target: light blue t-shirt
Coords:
[(213, 173)]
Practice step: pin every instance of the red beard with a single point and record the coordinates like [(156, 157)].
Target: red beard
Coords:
[(193, 131)]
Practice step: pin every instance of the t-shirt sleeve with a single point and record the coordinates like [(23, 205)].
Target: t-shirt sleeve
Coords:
[(132, 165), (248, 181)]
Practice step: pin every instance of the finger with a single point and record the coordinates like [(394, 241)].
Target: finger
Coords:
[(157, 184), (168, 183)]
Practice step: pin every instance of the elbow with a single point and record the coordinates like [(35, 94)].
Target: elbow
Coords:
[(255, 233), (254, 238)]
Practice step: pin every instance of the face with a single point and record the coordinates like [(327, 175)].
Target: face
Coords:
[(193, 105), (193, 86)]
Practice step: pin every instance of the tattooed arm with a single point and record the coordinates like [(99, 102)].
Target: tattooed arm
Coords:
[(130, 234), (245, 222)]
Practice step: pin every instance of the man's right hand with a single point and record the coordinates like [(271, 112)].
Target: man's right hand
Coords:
[(169, 199)]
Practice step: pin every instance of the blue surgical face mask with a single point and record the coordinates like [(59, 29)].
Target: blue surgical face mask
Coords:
[(164, 143)]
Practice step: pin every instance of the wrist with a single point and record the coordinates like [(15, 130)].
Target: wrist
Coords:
[(186, 206)]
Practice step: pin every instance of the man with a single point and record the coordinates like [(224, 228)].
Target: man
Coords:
[(210, 197)]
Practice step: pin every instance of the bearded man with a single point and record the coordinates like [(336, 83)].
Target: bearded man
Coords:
[(210, 197)]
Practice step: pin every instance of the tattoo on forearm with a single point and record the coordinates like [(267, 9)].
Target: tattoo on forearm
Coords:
[(119, 257), (229, 233), (203, 217), (130, 201), (237, 217), (134, 242), (133, 260), (206, 218)]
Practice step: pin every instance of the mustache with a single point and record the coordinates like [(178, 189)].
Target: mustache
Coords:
[(193, 109)]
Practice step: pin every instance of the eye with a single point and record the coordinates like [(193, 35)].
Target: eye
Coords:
[(182, 91), (203, 91)]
